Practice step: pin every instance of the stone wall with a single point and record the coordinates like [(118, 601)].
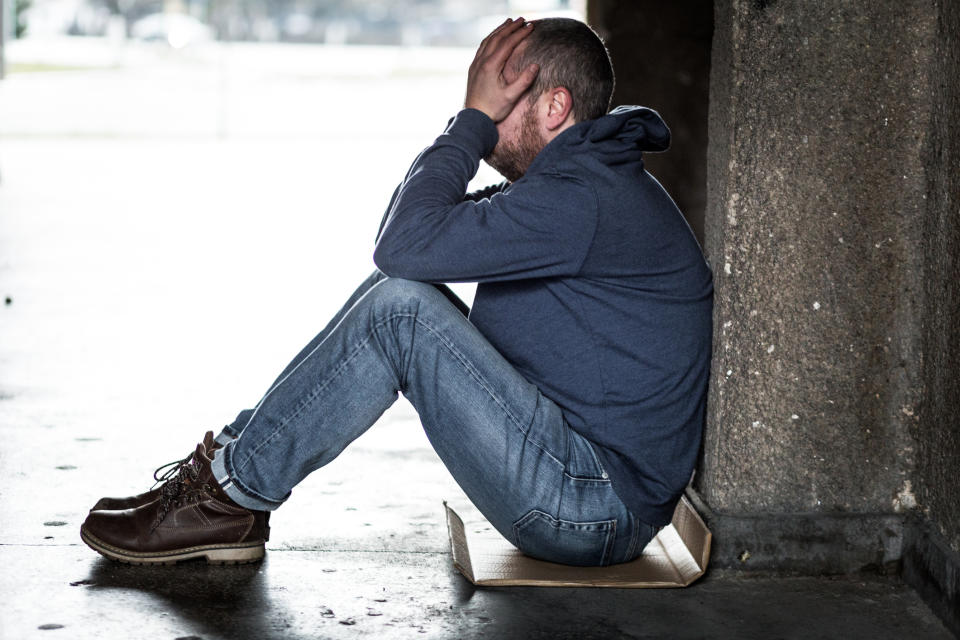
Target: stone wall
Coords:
[(938, 418), (819, 203), (816, 187), (832, 223), (832, 440), (932, 547), (833, 186)]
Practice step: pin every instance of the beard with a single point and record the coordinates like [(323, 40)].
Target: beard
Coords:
[(512, 158)]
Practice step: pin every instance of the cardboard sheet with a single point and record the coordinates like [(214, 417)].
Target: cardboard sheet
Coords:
[(677, 556)]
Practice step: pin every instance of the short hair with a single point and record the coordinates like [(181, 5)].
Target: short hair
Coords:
[(571, 55)]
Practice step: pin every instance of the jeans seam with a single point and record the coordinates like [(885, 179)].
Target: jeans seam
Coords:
[(634, 538), (604, 477), (610, 529), (585, 480), (318, 389), (286, 373), (608, 547), (470, 369), (475, 374), (596, 459)]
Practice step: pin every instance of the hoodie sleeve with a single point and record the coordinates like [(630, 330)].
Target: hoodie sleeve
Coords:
[(540, 226), (486, 192), (479, 194)]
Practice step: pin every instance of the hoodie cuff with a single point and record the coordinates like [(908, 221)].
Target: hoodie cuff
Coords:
[(476, 130)]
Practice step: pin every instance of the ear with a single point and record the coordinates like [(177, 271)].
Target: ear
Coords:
[(559, 108)]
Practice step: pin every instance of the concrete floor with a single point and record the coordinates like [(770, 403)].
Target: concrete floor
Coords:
[(151, 287)]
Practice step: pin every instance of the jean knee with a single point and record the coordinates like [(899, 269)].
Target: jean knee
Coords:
[(398, 292)]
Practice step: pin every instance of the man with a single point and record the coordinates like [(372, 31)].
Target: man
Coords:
[(568, 406)]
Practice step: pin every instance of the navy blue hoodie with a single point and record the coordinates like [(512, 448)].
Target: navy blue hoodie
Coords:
[(590, 283)]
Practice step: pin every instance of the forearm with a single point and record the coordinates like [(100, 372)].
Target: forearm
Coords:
[(434, 186), (473, 196)]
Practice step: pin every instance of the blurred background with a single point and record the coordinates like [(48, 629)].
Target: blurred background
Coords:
[(190, 188), (236, 67), (184, 22)]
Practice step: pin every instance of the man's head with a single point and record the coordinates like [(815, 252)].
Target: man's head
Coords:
[(570, 55), (574, 83)]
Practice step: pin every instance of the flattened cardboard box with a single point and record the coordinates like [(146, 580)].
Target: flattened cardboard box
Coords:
[(676, 557)]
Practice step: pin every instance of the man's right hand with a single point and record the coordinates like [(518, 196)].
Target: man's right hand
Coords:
[(487, 88)]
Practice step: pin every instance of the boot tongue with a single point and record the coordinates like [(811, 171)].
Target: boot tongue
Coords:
[(207, 441), (197, 463)]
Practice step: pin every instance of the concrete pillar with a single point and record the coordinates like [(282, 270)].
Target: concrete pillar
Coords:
[(832, 229), (931, 556)]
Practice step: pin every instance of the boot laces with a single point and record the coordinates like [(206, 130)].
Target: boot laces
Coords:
[(178, 489), (169, 470)]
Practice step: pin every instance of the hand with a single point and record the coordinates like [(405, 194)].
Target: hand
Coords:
[(487, 88)]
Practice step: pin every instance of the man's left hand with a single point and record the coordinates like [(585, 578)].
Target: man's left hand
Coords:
[(487, 88)]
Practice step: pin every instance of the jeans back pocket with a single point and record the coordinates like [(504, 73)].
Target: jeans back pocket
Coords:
[(586, 544)]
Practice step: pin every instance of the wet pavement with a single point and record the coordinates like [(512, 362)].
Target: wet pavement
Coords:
[(152, 286), (339, 593)]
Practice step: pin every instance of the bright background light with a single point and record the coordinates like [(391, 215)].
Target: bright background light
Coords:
[(175, 223)]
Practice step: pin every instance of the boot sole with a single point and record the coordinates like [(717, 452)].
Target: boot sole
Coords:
[(234, 553)]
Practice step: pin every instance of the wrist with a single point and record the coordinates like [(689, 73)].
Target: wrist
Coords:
[(479, 105), (475, 126)]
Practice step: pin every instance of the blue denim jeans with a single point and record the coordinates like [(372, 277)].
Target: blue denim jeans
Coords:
[(534, 478)]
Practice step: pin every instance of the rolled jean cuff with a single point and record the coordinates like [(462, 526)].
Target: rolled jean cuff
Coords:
[(229, 487), (224, 437)]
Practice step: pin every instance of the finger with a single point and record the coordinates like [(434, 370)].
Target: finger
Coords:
[(518, 87), (485, 43), (497, 38), (505, 47)]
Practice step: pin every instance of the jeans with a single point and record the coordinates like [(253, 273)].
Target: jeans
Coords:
[(538, 482)]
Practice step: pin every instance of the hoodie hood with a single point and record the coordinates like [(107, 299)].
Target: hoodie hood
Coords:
[(620, 136)]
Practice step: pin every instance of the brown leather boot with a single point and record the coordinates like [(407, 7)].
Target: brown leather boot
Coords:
[(172, 470), (192, 518)]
